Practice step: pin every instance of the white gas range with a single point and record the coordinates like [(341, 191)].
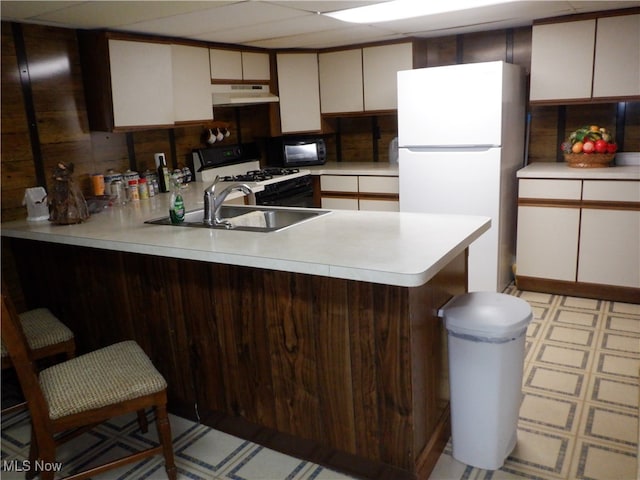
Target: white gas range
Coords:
[(238, 164)]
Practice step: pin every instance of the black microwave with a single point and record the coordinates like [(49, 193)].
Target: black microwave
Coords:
[(296, 151)]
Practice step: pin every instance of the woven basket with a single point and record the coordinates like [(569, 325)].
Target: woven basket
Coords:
[(589, 160)]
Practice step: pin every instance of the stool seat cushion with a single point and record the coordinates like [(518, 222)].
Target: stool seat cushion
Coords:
[(42, 329), (103, 377)]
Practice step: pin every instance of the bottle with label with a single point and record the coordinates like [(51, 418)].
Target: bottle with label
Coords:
[(143, 188), (133, 193), (164, 180), (176, 203)]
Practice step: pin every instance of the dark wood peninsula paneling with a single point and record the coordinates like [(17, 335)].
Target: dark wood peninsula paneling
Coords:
[(306, 363)]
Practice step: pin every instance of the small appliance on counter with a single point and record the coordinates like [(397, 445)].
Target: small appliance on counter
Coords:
[(296, 151)]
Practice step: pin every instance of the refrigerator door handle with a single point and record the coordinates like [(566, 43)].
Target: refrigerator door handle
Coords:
[(450, 148)]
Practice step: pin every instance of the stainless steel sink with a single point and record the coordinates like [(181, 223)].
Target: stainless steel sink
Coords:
[(250, 218)]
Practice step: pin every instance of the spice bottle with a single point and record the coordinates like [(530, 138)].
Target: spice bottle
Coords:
[(134, 195), (118, 192), (143, 188)]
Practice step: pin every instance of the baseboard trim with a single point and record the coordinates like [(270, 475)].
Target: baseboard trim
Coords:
[(579, 289)]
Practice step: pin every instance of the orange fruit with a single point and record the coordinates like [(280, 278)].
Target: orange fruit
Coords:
[(577, 147), (594, 128)]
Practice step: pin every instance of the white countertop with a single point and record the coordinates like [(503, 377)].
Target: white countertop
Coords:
[(405, 249), (561, 170), (355, 168)]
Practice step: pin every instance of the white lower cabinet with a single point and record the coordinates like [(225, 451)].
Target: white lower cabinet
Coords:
[(547, 244), (579, 236), (378, 205), (610, 247), (373, 184), (610, 238), (336, 203), (360, 192), (339, 183)]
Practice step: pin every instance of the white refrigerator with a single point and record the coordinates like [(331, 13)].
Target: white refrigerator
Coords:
[(461, 133)]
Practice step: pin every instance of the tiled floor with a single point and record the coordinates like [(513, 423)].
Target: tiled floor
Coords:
[(578, 419), (579, 414)]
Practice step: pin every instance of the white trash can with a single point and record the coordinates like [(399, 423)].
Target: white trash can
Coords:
[(486, 335)]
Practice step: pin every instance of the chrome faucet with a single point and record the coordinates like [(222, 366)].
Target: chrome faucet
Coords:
[(213, 202)]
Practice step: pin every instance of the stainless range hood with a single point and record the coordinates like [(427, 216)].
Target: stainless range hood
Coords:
[(241, 94)]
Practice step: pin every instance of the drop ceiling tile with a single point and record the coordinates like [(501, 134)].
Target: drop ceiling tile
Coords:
[(306, 24), (108, 14), (264, 22), (238, 15), (324, 6), (490, 15), (12, 10), (345, 36)]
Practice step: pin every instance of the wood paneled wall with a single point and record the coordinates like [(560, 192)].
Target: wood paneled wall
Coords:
[(52, 76), (18, 167), (551, 125), (44, 118)]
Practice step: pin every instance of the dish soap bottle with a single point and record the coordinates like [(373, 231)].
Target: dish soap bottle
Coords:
[(176, 203)]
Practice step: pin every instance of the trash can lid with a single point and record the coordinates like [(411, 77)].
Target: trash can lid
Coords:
[(486, 314)]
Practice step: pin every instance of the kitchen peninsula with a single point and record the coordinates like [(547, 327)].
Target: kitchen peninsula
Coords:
[(320, 340)]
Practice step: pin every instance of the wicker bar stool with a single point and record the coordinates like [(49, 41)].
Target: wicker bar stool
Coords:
[(47, 337), (74, 396)]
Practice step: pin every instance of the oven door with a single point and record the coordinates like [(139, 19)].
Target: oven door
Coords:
[(297, 192)]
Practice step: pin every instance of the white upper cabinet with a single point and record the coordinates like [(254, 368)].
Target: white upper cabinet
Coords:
[(299, 92), (141, 83), (617, 60), (255, 66), (562, 60), (380, 66), (362, 79), (225, 64), (341, 86), (586, 59), (191, 83), (236, 65)]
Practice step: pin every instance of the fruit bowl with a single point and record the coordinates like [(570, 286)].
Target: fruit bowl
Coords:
[(589, 160), (589, 147)]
